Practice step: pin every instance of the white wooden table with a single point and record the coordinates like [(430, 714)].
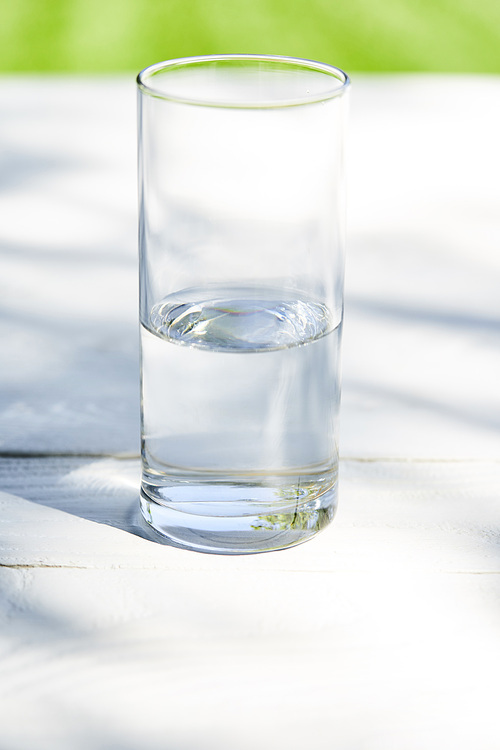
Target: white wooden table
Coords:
[(380, 634)]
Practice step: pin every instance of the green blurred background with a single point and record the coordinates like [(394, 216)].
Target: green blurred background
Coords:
[(362, 35)]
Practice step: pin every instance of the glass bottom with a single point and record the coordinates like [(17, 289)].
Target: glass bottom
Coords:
[(233, 519)]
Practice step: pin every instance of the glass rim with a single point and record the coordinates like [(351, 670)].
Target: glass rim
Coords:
[(143, 81)]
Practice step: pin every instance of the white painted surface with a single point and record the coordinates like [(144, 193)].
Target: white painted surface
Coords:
[(69, 332), (381, 633), (422, 336)]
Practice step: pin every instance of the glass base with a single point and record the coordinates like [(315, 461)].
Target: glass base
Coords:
[(235, 519)]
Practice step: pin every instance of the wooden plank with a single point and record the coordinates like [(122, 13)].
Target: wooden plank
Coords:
[(381, 633), (392, 516), (68, 326), (421, 350), (421, 344), (107, 659)]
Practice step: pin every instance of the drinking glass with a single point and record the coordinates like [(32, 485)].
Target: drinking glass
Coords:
[(241, 237)]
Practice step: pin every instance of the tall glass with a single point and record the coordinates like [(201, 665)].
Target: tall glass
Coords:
[(241, 298)]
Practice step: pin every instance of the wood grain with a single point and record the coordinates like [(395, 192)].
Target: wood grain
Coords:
[(379, 634)]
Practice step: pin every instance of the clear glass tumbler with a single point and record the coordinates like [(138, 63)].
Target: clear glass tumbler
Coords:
[(241, 297)]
